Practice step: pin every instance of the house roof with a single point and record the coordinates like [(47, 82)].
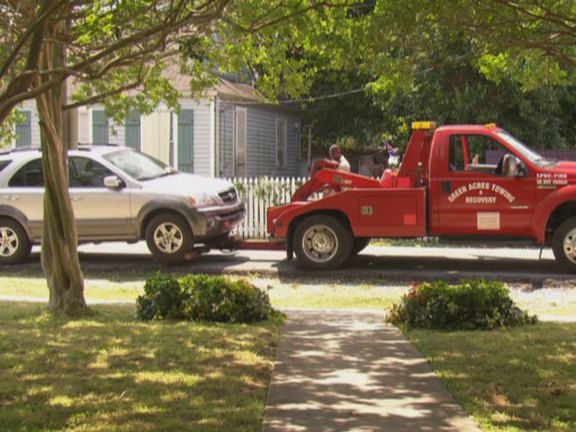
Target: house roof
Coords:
[(238, 91), (224, 89)]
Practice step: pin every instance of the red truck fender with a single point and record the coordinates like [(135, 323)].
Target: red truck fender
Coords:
[(282, 221), (546, 209)]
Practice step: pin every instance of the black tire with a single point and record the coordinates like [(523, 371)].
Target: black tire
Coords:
[(322, 242), (564, 244), (169, 238), (15, 245), (359, 244)]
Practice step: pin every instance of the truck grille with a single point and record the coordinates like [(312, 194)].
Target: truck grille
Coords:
[(228, 196)]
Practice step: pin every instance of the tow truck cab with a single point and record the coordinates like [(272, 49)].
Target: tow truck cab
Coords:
[(464, 182)]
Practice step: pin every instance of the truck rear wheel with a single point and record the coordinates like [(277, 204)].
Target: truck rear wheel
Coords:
[(322, 243), (564, 244)]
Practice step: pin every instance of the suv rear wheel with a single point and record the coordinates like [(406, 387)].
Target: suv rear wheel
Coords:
[(14, 243), (169, 238)]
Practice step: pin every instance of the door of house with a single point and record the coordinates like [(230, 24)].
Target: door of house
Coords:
[(186, 140), (240, 143)]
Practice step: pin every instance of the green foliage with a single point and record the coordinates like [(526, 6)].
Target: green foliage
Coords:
[(163, 299), (7, 129), (203, 298), (470, 305), (217, 298)]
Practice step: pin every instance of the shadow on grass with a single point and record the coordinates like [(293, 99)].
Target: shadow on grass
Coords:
[(109, 372), (522, 378)]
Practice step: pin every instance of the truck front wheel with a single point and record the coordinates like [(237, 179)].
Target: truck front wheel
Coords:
[(322, 243), (564, 244)]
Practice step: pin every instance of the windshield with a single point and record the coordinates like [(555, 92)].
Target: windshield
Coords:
[(138, 165), (522, 148)]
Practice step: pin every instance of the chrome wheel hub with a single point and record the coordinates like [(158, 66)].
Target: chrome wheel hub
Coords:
[(320, 243), (569, 245), (8, 242), (168, 238)]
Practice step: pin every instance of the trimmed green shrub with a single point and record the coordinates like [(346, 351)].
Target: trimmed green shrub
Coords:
[(470, 305), (163, 298), (217, 298), (203, 298)]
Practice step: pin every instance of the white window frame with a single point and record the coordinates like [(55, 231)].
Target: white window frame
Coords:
[(281, 143)]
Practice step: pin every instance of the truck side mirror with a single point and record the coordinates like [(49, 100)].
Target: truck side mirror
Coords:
[(513, 167)]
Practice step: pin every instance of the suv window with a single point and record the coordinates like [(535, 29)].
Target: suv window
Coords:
[(4, 164), (30, 175), (85, 172)]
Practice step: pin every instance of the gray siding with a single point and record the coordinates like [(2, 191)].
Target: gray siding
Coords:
[(261, 146)]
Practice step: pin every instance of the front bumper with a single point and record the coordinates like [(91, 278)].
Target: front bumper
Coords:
[(217, 223)]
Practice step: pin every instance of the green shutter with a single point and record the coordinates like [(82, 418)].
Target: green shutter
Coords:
[(99, 127), (186, 140), (132, 130), (24, 130)]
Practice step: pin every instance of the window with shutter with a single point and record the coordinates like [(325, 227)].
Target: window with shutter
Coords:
[(281, 144), (132, 130), (99, 127), (24, 130), (186, 140), (240, 165)]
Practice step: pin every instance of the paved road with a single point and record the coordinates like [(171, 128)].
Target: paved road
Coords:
[(389, 263)]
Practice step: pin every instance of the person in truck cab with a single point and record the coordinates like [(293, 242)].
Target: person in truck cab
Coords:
[(337, 156)]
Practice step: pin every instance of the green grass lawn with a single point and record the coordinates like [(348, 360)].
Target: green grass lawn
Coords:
[(95, 289), (282, 295), (518, 379), (108, 372)]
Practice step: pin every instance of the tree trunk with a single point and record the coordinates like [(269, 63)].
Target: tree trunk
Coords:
[(59, 254)]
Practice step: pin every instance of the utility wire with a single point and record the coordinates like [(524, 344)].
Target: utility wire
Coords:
[(315, 98)]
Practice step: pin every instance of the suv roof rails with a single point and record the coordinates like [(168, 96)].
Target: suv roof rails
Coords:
[(19, 149), (99, 144)]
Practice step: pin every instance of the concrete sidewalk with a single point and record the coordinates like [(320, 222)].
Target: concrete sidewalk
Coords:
[(349, 371)]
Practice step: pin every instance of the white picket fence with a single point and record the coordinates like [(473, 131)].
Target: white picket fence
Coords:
[(259, 194)]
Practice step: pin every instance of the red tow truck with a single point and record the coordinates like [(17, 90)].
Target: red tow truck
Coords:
[(456, 182)]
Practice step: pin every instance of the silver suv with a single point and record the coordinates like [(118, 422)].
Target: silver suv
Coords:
[(118, 194)]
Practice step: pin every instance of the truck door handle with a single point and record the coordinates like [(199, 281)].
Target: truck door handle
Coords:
[(446, 187)]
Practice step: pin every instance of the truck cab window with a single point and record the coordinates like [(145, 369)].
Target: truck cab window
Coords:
[(456, 154), (477, 153)]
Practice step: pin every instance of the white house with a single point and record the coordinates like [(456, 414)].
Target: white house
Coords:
[(230, 133)]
